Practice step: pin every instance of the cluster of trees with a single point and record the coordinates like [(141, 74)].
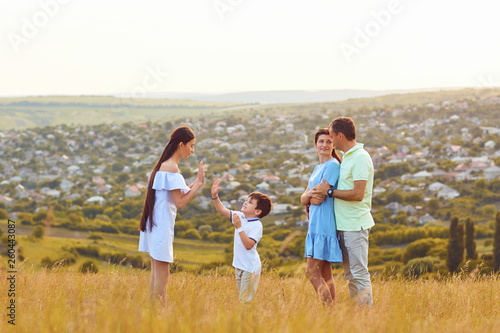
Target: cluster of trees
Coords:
[(429, 255), (462, 239), (458, 252)]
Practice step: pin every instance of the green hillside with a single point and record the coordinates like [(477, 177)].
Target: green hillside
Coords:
[(361, 105), (60, 243), (25, 112)]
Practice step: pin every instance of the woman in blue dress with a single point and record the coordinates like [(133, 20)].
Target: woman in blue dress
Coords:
[(167, 193), (322, 246)]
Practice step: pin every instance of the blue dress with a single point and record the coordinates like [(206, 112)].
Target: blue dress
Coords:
[(321, 239)]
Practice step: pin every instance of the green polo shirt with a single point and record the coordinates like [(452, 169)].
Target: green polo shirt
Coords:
[(355, 215)]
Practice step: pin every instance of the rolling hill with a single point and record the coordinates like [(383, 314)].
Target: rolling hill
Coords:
[(26, 112)]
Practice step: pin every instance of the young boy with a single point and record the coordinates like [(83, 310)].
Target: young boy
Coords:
[(248, 232)]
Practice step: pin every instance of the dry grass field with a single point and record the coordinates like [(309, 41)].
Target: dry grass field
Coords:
[(59, 300)]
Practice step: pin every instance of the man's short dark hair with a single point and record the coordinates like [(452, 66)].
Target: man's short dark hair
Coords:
[(344, 125)]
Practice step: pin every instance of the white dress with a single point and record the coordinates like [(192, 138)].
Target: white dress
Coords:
[(159, 241)]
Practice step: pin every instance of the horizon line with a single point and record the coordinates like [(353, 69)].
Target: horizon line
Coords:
[(245, 91)]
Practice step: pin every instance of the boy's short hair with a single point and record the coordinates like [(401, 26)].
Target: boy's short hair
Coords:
[(344, 125), (264, 203)]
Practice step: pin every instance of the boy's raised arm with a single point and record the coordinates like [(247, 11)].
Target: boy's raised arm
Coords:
[(218, 204)]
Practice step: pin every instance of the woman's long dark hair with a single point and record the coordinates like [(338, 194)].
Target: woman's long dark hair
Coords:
[(182, 134), (324, 131)]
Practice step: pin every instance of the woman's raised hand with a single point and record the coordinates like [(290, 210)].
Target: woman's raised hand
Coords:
[(201, 173), (215, 188)]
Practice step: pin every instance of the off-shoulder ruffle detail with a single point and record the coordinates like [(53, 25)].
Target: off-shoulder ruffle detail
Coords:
[(323, 247), (170, 181)]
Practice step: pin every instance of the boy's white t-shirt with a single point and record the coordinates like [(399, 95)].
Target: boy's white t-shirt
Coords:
[(247, 260)]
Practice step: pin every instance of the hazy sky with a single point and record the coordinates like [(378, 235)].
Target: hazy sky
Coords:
[(123, 46)]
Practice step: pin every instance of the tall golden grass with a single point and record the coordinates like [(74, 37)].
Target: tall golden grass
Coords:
[(58, 300)]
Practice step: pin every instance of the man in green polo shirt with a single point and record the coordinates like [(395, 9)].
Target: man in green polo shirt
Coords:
[(352, 204)]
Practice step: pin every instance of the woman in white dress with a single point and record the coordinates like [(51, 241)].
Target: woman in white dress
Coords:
[(167, 192)]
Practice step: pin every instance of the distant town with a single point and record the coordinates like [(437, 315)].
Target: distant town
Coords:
[(274, 154)]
